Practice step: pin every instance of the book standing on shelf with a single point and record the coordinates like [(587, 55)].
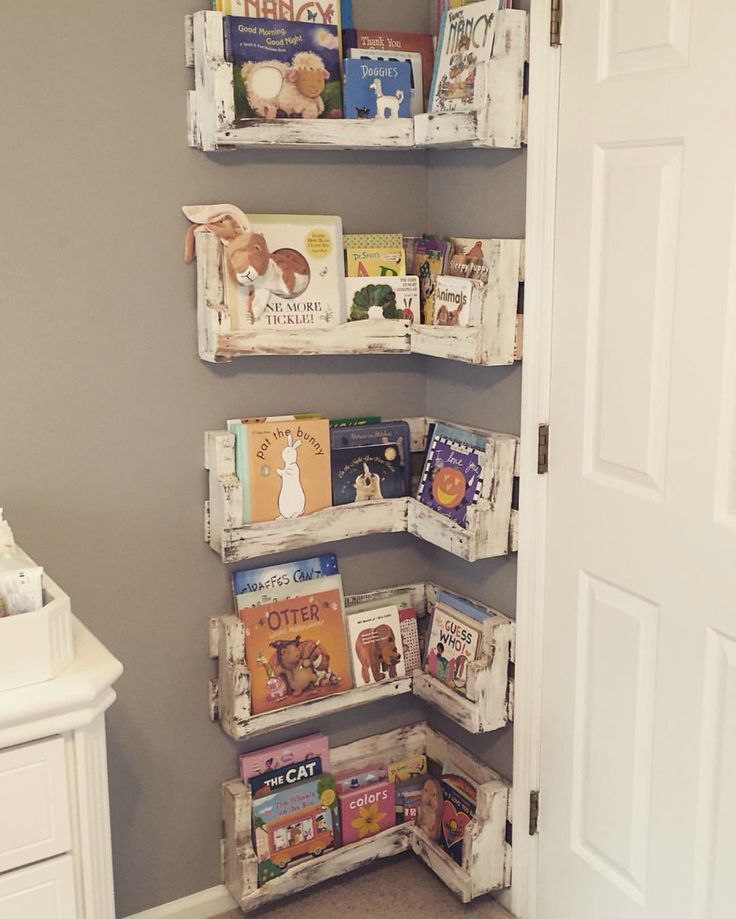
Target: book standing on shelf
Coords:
[(377, 89), (377, 42), (383, 298), (404, 66), (453, 641), (370, 462), (375, 644), (276, 582), (452, 478)]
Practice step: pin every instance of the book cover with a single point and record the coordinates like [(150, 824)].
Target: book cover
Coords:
[(378, 40), (457, 812), (360, 776), (429, 263), (296, 650), (413, 58), (266, 584), (383, 298), (389, 469), (372, 240), (377, 89), (452, 478), (375, 262), (375, 645), (473, 258), (277, 779), (464, 46), (407, 796), (410, 767), (285, 272), (349, 422), (452, 642), (455, 302), (265, 760), (463, 605), (294, 824), (283, 68), (410, 638), (289, 465), (366, 811)]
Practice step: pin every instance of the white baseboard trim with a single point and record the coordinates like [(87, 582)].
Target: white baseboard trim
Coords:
[(202, 905)]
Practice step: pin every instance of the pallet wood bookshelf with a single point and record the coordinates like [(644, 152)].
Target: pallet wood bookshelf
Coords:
[(487, 706), (486, 860), (487, 535)]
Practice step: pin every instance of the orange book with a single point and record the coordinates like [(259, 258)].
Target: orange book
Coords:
[(288, 468), (296, 648)]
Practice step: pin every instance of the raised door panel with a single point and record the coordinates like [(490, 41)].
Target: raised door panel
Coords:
[(44, 891)]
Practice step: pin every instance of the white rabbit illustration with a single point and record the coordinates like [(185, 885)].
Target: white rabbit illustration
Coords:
[(291, 496)]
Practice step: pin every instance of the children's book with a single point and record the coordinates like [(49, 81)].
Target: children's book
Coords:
[(407, 622), (370, 462), (464, 47), (452, 478), (267, 759), (457, 812), (410, 767), (360, 775), (288, 468), (453, 641), (366, 811), (285, 272), (349, 422), (377, 89), (294, 824), (296, 649), (383, 298), (375, 262), (473, 258), (284, 776), (429, 263), (264, 585), (412, 58), (455, 302), (463, 605), (375, 645), (407, 796), (283, 69), (395, 43), (372, 240)]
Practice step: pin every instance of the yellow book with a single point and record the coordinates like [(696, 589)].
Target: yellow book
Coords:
[(374, 263)]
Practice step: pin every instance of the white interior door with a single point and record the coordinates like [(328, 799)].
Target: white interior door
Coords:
[(638, 790)]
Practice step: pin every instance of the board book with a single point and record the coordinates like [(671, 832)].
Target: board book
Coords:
[(452, 478), (285, 272), (455, 302), (473, 258), (283, 69), (429, 262), (395, 71), (375, 645), (284, 776), (296, 649), (374, 40), (383, 298), (366, 811), (453, 641), (259, 762), (370, 462), (375, 262), (273, 582), (458, 810), (464, 47)]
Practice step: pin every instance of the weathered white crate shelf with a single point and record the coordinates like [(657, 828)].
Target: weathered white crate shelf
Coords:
[(499, 123), (487, 707), (488, 533), (486, 861)]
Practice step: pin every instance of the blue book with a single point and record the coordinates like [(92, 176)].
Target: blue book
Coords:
[(264, 585), (463, 605), (283, 69), (377, 89)]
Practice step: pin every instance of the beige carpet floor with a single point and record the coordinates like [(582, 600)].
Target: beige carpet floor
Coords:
[(402, 888)]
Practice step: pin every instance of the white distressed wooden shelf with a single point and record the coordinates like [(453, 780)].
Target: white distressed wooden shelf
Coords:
[(489, 522), (495, 341), (211, 114), (487, 707), (486, 860), (501, 120)]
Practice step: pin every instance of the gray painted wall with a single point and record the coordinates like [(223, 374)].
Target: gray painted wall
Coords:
[(105, 401)]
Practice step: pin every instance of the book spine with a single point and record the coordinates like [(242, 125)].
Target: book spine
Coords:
[(437, 60), (241, 463)]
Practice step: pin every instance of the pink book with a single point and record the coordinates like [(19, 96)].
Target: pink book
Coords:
[(284, 754), (366, 811)]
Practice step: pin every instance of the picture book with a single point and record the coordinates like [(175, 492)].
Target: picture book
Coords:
[(360, 776), (375, 262), (383, 298), (464, 47), (296, 649), (349, 422), (375, 645), (412, 58), (463, 605), (267, 759), (429, 263), (263, 585), (370, 462), (372, 240), (293, 824), (289, 468), (452, 642), (377, 89), (366, 811), (452, 478), (285, 272), (457, 812), (395, 42), (277, 779), (455, 302), (402, 770), (410, 638), (407, 795), (283, 69), (473, 258)]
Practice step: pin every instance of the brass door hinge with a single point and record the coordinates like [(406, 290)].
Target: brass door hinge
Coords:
[(533, 813), (555, 22), (543, 449)]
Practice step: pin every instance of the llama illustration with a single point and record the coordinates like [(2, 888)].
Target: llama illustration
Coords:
[(386, 104), (291, 497)]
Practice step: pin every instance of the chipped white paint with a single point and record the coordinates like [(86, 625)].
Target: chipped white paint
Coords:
[(500, 122), (487, 534), (486, 707), (485, 856)]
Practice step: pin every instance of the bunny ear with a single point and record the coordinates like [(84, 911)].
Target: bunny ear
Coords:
[(297, 444), (225, 220), (288, 440)]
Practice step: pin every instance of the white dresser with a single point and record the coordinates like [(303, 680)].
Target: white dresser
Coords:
[(55, 857)]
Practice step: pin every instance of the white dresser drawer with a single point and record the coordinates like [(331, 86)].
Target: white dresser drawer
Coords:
[(34, 803), (44, 891)]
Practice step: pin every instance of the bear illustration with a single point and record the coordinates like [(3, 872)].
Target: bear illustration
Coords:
[(377, 652)]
